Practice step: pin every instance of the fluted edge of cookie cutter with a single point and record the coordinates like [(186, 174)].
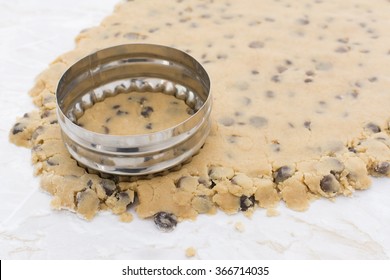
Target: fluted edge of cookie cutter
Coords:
[(127, 68)]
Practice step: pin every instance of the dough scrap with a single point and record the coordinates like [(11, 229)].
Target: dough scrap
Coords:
[(300, 107)]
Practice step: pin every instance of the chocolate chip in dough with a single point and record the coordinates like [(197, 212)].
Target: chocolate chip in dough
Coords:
[(382, 168), (329, 184), (227, 121), (120, 113), (281, 69), (373, 79), (52, 162), (258, 122), (106, 129), (282, 174), (149, 126), (342, 49), (146, 111), (18, 127), (256, 45), (165, 222), (307, 124), (108, 186), (373, 127), (275, 78), (246, 202), (269, 94)]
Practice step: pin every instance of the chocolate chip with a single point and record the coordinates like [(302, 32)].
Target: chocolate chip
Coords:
[(246, 101), (108, 120), (342, 49), (255, 72), (108, 186), (382, 168), (282, 174), (308, 80), (89, 183), (247, 202), (146, 111), (281, 69), (329, 184), (45, 114), (373, 79), (152, 30), (80, 196), (106, 129), (204, 182), (256, 45), (275, 146), (37, 132), (222, 56), (165, 221), (307, 124), (303, 21), (270, 94), (232, 139), (373, 127), (51, 162), (122, 196), (149, 126), (120, 113), (227, 121), (258, 122), (310, 73), (116, 106), (354, 94), (275, 79), (352, 150), (18, 127), (343, 40)]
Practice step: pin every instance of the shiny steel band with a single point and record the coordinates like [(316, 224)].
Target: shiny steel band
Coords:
[(127, 68)]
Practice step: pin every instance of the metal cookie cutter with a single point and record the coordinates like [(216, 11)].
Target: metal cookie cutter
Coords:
[(125, 69)]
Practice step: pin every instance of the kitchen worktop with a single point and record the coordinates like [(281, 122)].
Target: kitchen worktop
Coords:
[(35, 32)]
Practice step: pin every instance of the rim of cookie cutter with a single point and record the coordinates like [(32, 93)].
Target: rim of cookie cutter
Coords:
[(129, 68)]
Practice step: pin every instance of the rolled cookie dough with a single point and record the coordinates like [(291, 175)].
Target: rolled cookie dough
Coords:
[(135, 113), (300, 107)]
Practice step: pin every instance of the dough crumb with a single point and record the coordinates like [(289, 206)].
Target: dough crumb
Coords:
[(126, 217), (272, 212), (239, 226), (190, 252)]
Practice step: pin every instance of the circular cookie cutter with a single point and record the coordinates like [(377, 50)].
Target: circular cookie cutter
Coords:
[(129, 68)]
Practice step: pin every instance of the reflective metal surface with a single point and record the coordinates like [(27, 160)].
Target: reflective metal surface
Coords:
[(129, 68)]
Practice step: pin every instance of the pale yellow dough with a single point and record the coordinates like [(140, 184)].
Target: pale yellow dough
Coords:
[(135, 113), (301, 108)]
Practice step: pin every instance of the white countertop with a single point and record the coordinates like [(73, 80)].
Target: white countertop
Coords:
[(35, 32)]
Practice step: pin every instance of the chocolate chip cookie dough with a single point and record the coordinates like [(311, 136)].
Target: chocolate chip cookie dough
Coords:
[(301, 108), (135, 113)]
